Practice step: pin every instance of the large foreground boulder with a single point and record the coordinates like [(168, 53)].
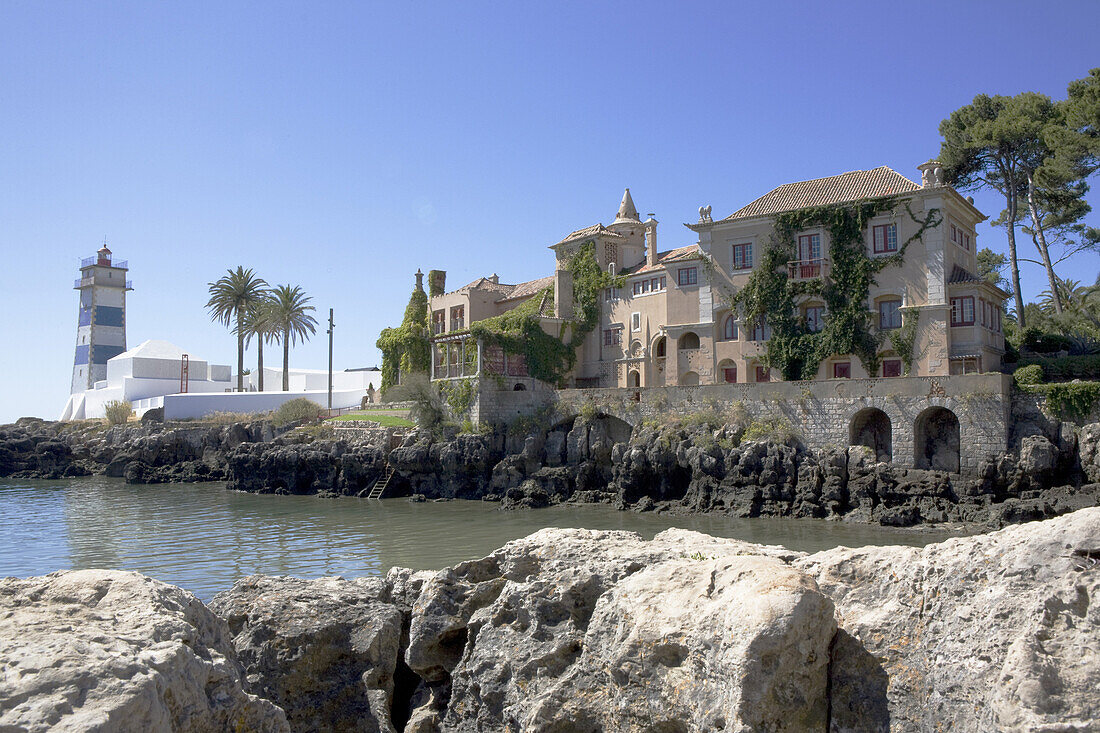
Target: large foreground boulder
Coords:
[(993, 632), (104, 650), (579, 630)]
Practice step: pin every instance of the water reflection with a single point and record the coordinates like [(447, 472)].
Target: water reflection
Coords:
[(203, 538)]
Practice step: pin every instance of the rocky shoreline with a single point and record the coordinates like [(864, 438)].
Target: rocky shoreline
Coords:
[(581, 630), (678, 467)]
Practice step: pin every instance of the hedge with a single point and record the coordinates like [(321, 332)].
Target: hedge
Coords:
[(1065, 368)]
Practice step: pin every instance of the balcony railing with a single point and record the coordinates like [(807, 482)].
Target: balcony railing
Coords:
[(807, 269), (103, 262), (457, 324), (84, 282)]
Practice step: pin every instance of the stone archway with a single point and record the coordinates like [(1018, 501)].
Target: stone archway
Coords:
[(634, 379), (689, 379), (871, 427), (936, 440), (688, 341)]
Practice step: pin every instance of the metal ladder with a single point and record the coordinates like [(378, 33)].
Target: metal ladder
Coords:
[(381, 484)]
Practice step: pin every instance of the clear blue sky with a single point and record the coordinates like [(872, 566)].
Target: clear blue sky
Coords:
[(340, 146)]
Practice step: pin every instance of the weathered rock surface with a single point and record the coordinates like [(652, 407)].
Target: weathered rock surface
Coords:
[(993, 632), (577, 630), (326, 651), (100, 650), (140, 453)]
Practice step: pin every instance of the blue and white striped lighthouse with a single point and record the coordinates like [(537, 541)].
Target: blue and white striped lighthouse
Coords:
[(101, 326)]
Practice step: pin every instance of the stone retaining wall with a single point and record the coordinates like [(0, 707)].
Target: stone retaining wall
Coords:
[(820, 412)]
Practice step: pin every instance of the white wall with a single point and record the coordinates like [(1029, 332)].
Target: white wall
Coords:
[(185, 406)]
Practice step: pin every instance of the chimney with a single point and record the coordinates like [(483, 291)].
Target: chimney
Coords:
[(494, 278), (651, 241), (931, 174), (563, 292)]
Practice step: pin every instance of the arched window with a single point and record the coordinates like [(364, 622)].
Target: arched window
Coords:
[(690, 340), (729, 328), (659, 348)]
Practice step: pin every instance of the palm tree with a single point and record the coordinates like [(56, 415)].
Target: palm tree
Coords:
[(230, 298), (258, 325), (291, 321)]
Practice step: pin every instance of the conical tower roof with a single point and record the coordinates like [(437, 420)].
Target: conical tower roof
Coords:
[(627, 212)]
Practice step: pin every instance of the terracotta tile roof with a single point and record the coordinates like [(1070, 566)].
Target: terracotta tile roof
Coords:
[(485, 284), (529, 288), (592, 231), (663, 258), (962, 275), (852, 186)]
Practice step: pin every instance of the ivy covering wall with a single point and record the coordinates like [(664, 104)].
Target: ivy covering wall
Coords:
[(796, 350), (551, 357), (406, 347)]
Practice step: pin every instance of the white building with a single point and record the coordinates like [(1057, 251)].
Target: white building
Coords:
[(157, 374), (143, 376)]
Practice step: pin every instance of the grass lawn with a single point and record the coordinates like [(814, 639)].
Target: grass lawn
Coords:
[(387, 419)]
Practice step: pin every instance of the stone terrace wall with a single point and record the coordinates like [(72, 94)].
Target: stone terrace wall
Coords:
[(822, 412)]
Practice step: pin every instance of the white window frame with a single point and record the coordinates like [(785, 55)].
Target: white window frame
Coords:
[(635, 321)]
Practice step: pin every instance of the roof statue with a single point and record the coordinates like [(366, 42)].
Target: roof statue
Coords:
[(627, 212)]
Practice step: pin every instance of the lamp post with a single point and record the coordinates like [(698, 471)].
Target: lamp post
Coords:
[(331, 326)]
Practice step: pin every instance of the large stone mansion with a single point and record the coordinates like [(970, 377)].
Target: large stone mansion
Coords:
[(672, 322)]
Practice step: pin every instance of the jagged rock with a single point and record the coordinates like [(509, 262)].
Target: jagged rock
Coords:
[(1088, 441), (994, 632), (107, 650), (1037, 455), (549, 634), (326, 650)]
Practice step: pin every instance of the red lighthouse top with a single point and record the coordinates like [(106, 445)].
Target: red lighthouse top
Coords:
[(104, 256)]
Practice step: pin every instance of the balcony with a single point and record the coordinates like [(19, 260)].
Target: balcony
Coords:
[(808, 269), (103, 262)]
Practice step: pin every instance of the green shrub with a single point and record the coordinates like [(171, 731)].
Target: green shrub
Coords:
[(1045, 343), (1073, 400), (588, 411), (118, 411), (776, 430), (295, 410), (1030, 374), (1066, 368)]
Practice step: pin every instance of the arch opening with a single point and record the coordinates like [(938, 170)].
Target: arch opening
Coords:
[(659, 348), (689, 379), (871, 427), (936, 440), (520, 387), (690, 340), (634, 379)]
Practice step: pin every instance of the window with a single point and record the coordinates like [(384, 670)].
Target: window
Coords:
[(729, 374), (885, 237), (762, 374), (439, 321), (809, 247), (611, 294), (657, 283), (687, 276), (729, 329), (891, 367), (635, 321), (760, 330), (889, 314), (815, 317), (742, 256), (966, 245), (659, 349), (962, 311), (842, 370), (997, 319), (458, 318), (612, 336)]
